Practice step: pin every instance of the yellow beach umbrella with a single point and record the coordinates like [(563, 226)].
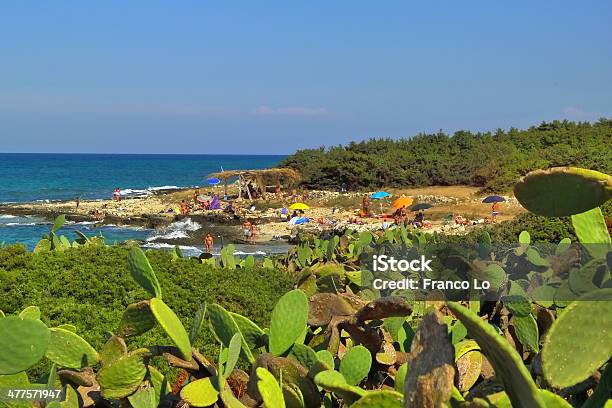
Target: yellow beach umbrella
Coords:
[(402, 202), (299, 206)]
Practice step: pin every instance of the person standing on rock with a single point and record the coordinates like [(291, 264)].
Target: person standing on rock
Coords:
[(209, 242)]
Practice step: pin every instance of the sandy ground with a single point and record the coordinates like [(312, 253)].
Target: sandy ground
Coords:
[(338, 207)]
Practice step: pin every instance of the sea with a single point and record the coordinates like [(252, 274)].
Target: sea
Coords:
[(39, 177)]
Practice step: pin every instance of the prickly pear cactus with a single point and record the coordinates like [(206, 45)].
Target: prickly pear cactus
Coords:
[(122, 377), (23, 343), (508, 365), (563, 191), (113, 350), (224, 326), (136, 320), (173, 327), (580, 340), (288, 321), (592, 231), (201, 393), (335, 382), (143, 273), (270, 391), (30, 312), (380, 399), (68, 349), (355, 365), (227, 257)]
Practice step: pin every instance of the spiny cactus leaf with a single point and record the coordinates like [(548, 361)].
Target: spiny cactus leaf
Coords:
[(224, 327), (30, 312), (233, 352), (580, 340), (173, 327), (304, 355), (495, 274), (23, 343), (59, 222), (591, 230), (227, 257), (563, 191), (113, 349), (326, 358), (201, 393), (198, 321), (526, 330), (251, 333), (517, 305), (335, 382), (464, 347), (69, 327), (43, 245), (123, 377), (68, 349), (355, 365), (563, 246), (293, 396), (508, 365), (468, 369), (269, 389), (524, 238), (136, 320), (400, 378), (289, 318), (144, 397), (143, 273), (380, 399)]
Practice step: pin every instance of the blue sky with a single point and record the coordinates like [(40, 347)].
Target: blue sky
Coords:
[(271, 77)]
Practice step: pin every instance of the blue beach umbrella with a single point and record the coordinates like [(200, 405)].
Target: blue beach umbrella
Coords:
[(493, 199), (213, 181), (380, 195)]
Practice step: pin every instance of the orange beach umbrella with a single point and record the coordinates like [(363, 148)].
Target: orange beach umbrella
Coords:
[(402, 202)]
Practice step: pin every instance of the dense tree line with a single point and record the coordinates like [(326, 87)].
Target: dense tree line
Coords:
[(491, 160)]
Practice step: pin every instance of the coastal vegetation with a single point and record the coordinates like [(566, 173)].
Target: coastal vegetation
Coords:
[(538, 337), (492, 161)]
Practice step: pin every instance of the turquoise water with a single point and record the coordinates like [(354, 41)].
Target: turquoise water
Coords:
[(35, 177), (30, 177)]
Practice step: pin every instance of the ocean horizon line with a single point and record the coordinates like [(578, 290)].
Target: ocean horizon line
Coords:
[(148, 154)]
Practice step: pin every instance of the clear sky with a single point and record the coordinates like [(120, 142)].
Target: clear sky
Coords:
[(270, 77)]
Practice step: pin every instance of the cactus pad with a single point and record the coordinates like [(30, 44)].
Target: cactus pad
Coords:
[(144, 397), (508, 365), (563, 191), (201, 393), (224, 327), (580, 340), (113, 349), (380, 399), (527, 331), (288, 321), (30, 312), (270, 391), (68, 349), (136, 320), (173, 327), (23, 343), (355, 365), (335, 382), (143, 273), (122, 378)]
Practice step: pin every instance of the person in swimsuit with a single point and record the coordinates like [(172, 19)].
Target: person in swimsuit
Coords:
[(209, 242), (494, 211), (246, 230)]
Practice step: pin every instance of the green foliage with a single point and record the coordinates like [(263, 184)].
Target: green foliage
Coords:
[(563, 191), (201, 393), (142, 272), (288, 322), (580, 340), (269, 389), (356, 364), (508, 365), (68, 349), (23, 343), (493, 161), (123, 377), (173, 327)]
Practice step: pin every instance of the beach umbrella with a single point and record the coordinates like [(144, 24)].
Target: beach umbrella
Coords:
[(379, 195), (493, 199), (402, 202), (213, 181), (299, 206), (420, 206)]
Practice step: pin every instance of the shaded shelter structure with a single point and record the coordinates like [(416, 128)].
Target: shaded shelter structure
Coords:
[(260, 180)]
